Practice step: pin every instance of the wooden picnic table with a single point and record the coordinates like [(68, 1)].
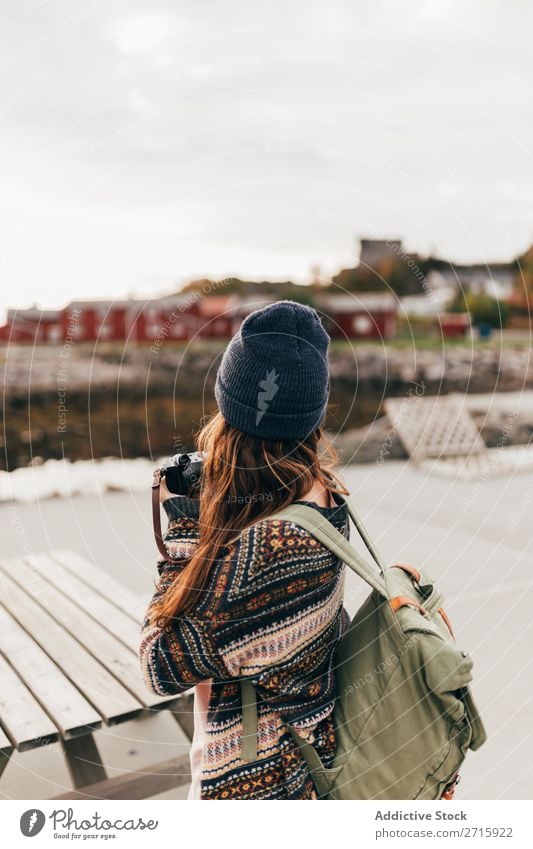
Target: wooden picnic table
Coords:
[(69, 639)]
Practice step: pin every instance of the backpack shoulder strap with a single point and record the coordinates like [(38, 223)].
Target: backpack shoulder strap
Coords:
[(326, 533), (363, 533)]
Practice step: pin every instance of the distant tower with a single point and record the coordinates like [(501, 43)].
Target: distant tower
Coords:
[(374, 251)]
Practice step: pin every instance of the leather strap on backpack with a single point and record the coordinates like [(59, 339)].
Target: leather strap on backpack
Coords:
[(404, 601), (409, 570), (449, 791)]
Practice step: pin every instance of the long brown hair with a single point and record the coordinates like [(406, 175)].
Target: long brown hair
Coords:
[(244, 479)]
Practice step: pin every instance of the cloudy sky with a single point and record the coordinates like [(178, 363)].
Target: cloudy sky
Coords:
[(145, 143)]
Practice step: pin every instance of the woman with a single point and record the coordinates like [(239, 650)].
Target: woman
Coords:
[(249, 597)]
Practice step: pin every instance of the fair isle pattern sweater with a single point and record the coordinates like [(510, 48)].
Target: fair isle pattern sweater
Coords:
[(273, 612)]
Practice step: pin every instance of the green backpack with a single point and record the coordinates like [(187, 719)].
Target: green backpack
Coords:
[(404, 716)]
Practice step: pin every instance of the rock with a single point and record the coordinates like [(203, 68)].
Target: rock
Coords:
[(504, 427), (374, 443)]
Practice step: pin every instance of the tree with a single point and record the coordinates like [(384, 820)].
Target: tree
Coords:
[(483, 309), (359, 280), (401, 275)]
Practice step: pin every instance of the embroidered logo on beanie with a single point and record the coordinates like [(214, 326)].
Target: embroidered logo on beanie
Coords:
[(269, 388)]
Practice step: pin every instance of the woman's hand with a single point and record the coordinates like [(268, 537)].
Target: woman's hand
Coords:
[(164, 492)]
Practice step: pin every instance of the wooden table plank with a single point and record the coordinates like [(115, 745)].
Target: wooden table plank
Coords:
[(120, 662), (68, 708), (107, 695), (27, 724), (102, 610), (100, 581)]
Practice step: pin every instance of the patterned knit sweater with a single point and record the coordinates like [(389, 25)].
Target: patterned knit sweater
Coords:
[(273, 612)]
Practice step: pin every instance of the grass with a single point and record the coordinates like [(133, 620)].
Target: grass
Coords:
[(427, 342), (414, 338)]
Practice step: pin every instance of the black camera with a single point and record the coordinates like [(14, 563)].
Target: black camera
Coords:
[(183, 474)]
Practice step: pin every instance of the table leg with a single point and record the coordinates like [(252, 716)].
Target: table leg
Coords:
[(4, 759), (183, 713), (83, 760)]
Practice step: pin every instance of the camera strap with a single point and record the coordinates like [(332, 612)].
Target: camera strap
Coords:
[(156, 517)]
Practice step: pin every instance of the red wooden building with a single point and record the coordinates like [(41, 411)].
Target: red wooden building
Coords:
[(454, 323), (130, 320), (32, 325), (186, 317), (87, 321), (361, 315)]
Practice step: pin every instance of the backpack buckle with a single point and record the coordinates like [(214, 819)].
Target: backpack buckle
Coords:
[(449, 790)]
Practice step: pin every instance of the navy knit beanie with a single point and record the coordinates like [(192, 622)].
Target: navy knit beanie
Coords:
[(273, 381)]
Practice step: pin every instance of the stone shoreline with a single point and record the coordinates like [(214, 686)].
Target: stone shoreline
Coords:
[(134, 402), (366, 367)]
